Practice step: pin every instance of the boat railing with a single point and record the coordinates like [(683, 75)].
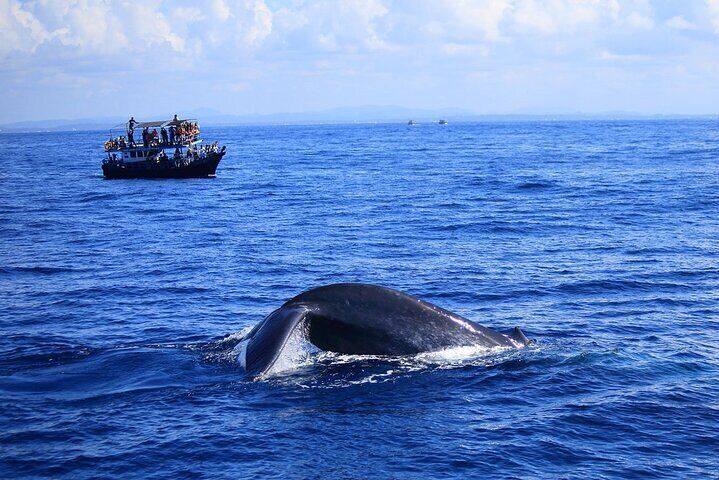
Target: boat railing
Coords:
[(117, 146)]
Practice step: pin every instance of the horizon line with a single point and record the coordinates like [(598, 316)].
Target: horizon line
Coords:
[(19, 128)]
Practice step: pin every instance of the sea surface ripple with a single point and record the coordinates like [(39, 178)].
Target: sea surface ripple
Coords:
[(600, 239)]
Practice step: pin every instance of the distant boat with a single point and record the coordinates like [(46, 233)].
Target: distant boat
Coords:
[(411, 122), (443, 122)]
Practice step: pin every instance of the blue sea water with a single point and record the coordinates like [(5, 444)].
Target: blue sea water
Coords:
[(599, 239)]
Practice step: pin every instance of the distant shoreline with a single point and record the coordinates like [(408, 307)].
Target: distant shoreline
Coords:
[(58, 126)]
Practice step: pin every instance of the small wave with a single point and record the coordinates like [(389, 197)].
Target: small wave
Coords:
[(494, 227), (48, 356), (86, 374), (669, 274), (222, 351), (95, 197), (39, 270), (472, 297), (535, 185), (185, 290), (597, 286), (81, 295), (649, 251)]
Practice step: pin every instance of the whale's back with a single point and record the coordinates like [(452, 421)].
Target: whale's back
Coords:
[(362, 319), (356, 318)]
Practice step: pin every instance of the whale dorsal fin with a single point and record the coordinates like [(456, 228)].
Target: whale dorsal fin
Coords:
[(518, 336)]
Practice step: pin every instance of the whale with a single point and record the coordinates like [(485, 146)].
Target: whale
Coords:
[(363, 319)]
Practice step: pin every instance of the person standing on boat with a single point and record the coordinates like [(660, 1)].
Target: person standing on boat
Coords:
[(131, 130), (172, 134), (163, 134), (146, 137)]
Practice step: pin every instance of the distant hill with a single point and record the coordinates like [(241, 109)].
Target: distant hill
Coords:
[(210, 117), (360, 114), (63, 125)]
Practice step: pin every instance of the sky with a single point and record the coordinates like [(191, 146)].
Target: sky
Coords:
[(100, 58)]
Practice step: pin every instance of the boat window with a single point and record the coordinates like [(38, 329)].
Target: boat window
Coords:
[(132, 154)]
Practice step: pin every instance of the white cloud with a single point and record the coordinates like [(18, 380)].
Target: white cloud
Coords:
[(176, 29), (220, 10), (606, 55), (680, 23), (86, 27), (460, 49), (260, 22), (560, 16), (713, 6), (188, 15), (637, 20), (186, 29), (478, 18), (326, 25), (19, 29)]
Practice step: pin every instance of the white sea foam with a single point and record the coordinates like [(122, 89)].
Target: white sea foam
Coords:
[(240, 353), (459, 355)]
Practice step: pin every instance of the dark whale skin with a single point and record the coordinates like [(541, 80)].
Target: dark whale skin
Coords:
[(362, 319)]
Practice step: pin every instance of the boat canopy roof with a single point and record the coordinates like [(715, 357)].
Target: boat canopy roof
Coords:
[(156, 123)]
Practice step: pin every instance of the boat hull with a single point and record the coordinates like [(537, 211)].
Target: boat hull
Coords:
[(198, 168)]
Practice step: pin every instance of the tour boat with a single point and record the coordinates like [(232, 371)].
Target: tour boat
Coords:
[(177, 154)]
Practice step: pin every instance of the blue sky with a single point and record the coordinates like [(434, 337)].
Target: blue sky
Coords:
[(87, 58)]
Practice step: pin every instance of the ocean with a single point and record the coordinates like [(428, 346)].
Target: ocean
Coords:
[(600, 239)]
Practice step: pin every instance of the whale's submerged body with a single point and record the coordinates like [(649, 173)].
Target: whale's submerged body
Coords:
[(360, 319)]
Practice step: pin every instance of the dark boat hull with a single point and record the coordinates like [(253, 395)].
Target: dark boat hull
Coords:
[(199, 168)]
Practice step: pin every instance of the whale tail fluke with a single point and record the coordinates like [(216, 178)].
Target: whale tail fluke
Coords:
[(518, 336)]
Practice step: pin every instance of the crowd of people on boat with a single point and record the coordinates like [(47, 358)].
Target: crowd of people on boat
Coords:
[(178, 132), (179, 159), (194, 153), (117, 143)]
